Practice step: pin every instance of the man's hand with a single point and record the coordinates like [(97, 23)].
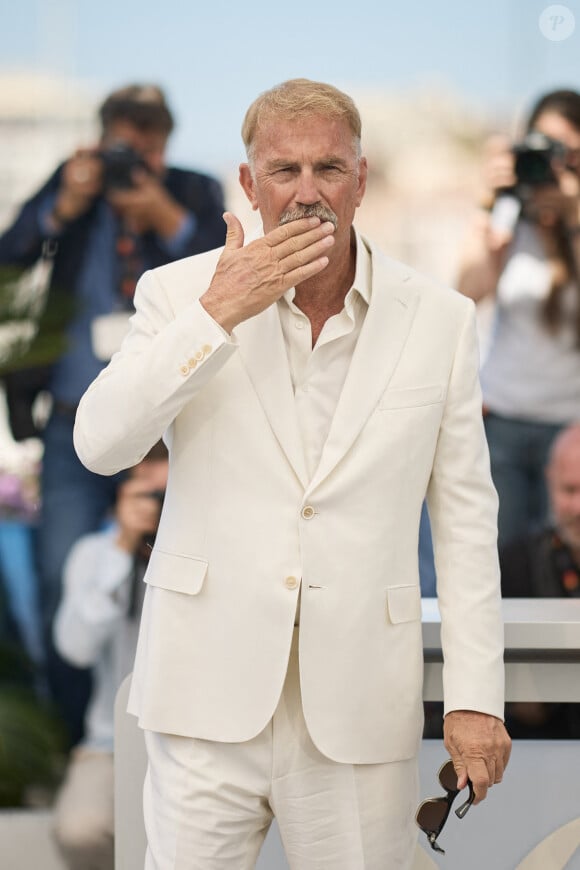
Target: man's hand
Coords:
[(147, 205), (479, 747), (81, 181), (249, 279), (498, 169)]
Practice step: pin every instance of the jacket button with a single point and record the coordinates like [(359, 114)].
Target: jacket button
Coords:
[(207, 348), (192, 363), (184, 370), (290, 582), (308, 512), (199, 355)]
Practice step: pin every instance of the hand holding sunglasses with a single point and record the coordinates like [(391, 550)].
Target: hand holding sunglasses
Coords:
[(434, 812)]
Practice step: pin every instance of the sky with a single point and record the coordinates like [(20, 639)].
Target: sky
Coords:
[(213, 57)]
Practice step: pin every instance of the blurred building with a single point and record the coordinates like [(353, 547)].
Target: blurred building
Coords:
[(42, 119)]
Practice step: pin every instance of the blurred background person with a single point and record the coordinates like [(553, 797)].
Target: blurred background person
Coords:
[(547, 565), (524, 250), (114, 210), (96, 626)]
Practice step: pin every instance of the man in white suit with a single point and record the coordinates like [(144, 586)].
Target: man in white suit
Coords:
[(311, 392)]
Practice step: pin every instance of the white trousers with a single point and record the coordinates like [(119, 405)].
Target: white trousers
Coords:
[(208, 805)]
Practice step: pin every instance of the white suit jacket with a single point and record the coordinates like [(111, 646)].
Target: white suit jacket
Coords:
[(242, 523)]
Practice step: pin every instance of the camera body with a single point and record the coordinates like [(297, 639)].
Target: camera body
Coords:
[(119, 162), (533, 159)]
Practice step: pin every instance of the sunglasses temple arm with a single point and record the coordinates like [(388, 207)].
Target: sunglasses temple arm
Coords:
[(434, 844), (462, 810)]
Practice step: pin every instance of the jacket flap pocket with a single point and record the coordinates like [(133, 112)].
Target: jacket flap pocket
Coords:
[(403, 603), (176, 572), (415, 397)]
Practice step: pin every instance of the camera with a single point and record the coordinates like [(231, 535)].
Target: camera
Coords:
[(533, 159), (119, 162)]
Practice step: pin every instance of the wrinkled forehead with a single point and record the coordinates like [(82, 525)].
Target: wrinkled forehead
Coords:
[(277, 135)]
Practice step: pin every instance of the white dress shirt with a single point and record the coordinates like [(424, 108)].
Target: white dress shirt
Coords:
[(318, 374)]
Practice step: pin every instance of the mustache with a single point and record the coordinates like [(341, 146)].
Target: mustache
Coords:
[(303, 211)]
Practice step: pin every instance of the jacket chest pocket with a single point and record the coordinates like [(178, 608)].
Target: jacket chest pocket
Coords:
[(416, 397)]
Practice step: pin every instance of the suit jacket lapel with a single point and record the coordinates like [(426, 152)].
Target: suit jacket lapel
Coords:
[(379, 347), (261, 346)]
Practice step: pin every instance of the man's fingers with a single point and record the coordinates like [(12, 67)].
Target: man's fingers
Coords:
[(501, 762), (507, 751), (294, 228), (306, 255), (479, 776), (235, 231), (461, 772), (309, 270), (296, 245)]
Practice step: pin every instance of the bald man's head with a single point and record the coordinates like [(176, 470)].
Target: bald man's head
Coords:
[(563, 477)]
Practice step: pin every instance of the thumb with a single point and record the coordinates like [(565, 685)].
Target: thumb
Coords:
[(235, 231), (460, 770)]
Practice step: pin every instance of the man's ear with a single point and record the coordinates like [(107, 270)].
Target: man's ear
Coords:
[(248, 184), (362, 179)]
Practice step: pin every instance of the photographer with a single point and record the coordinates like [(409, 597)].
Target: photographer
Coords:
[(114, 211), (524, 249), (96, 626)]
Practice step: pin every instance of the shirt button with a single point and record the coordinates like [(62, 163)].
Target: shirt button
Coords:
[(308, 512), (299, 324), (290, 582)]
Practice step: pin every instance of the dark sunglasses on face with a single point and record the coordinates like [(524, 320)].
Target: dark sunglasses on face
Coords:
[(433, 812)]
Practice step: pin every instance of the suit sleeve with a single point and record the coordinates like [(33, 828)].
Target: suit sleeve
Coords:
[(463, 511), (163, 362)]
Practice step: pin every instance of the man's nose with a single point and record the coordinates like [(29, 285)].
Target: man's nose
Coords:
[(307, 191)]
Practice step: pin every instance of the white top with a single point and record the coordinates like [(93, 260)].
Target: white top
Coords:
[(92, 628), (531, 373), (318, 374)]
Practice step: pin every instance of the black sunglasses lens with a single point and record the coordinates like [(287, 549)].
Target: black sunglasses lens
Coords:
[(431, 815), (448, 777)]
